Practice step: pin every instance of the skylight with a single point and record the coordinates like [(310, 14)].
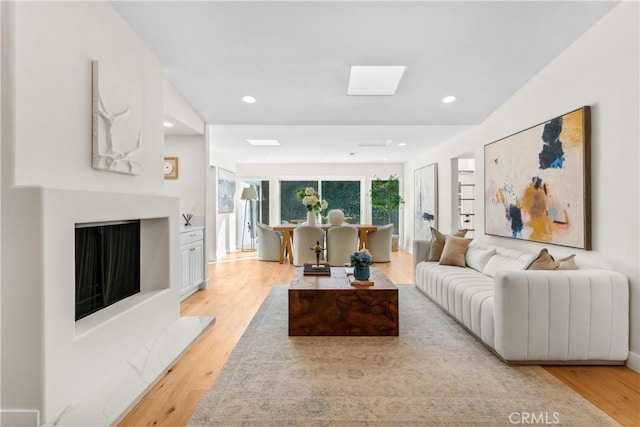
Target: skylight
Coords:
[(375, 80)]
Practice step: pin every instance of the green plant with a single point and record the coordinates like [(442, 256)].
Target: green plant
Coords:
[(385, 195)]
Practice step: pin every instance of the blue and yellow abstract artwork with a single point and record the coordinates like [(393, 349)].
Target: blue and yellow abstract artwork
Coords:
[(537, 184)]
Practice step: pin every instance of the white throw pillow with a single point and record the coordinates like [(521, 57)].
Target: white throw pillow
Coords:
[(501, 263), (477, 258)]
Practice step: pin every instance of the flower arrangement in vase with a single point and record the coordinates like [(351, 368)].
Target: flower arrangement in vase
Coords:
[(360, 261), (311, 199)]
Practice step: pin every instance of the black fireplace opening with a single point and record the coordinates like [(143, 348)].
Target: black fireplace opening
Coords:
[(107, 264)]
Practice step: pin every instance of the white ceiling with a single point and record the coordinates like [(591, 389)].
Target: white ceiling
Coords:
[(295, 58)]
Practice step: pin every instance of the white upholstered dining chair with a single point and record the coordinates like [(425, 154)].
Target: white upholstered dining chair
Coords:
[(342, 241), (269, 243), (305, 238), (379, 242)]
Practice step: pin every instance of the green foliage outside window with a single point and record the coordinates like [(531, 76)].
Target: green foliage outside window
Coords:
[(343, 195)]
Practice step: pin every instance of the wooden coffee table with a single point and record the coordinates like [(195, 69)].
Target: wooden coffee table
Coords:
[(330, 305)]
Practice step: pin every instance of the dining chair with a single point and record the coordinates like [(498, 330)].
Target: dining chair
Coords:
[(342, 241), (305, 238), (269, 243), (380, 243)]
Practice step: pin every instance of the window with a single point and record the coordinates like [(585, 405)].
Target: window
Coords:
[(340, 194), (343, 195), (291, 209)]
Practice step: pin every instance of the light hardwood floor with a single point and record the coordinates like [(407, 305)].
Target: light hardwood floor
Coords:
[(240, 283)]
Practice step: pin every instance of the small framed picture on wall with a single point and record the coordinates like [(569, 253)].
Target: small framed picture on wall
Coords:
[(170, 168)]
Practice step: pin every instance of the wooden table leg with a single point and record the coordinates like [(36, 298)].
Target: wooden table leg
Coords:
[(283, 245), (363, 241), (290, 246)]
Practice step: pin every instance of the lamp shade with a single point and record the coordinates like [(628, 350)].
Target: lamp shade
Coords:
[(248, 193)]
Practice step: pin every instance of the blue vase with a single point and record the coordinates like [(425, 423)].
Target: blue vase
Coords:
[(361, 273)]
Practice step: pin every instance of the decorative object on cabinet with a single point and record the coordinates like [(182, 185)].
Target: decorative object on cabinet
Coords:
[(249, 194), (170, 168), (426, 201), (191, 261), (537, 183), (187, 219), (226, 190), (115, 101)]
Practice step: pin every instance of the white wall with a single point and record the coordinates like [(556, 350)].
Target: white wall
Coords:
[(54, 45), (221, 235), (180, 113), (600, 70), (190, 185), (47, 50)]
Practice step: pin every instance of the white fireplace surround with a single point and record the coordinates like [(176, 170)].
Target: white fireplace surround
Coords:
[(91, 371)]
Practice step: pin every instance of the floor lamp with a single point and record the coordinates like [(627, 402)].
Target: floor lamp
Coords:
[(248, 194)]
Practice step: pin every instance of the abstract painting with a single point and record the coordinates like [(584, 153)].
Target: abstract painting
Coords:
[(226, 190), (426, 201), (537, 183), (116, 122)]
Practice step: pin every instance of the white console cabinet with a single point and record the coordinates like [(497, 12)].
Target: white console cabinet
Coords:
[(191, 261)]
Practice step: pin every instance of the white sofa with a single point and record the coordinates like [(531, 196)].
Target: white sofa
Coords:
[(525, 316)]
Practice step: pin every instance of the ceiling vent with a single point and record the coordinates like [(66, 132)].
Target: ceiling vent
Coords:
[(263, 142), (375, 143)]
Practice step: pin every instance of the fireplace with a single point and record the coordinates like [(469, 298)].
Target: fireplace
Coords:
[(107, 264)]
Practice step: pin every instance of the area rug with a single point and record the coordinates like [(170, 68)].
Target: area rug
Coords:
[(433, 374)]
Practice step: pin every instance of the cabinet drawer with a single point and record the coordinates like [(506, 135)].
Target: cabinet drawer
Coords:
[(191, 236)]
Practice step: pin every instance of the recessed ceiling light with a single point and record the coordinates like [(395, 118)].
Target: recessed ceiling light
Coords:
[(374, 80), (448, 99), (249, 99), (168, 124), (402, 144), (263, 142)]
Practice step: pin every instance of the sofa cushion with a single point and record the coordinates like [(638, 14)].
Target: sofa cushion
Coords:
[(465, 293), (503, 262), (454, 251), (544, 261), (437, 243), (478, 256)]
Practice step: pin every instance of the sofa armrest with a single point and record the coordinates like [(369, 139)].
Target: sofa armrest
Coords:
[(420, 251), (561, 315)]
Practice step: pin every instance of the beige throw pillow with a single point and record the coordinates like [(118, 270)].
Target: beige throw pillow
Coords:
[(454, 251), (567, 263), (437, 243), (544, 261)]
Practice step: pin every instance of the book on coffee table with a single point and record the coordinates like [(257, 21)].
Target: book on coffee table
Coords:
[(355, 282), (317, 270)]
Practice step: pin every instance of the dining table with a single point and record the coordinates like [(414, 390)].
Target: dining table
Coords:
[(288, 230)]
